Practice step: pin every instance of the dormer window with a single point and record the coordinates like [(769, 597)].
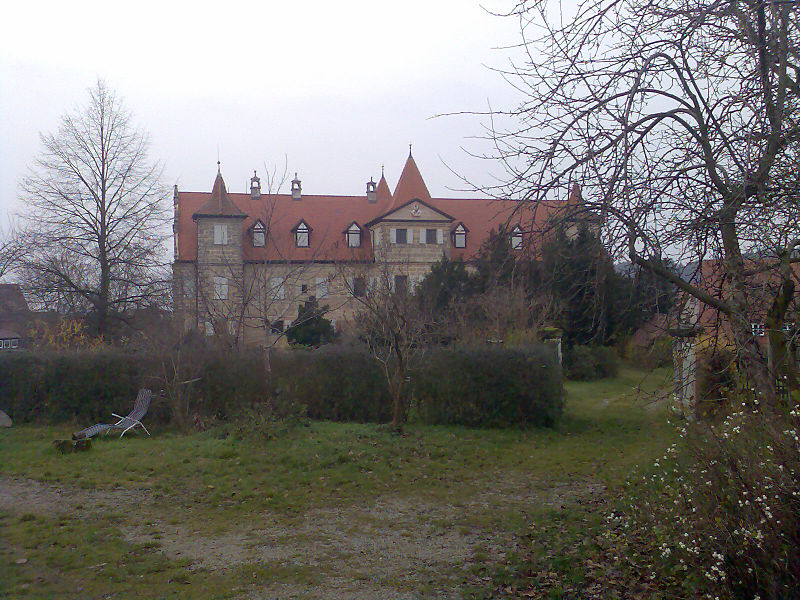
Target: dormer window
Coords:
[(460, 236), (516, 237), (353, 235), (259, 235), (301, 235)]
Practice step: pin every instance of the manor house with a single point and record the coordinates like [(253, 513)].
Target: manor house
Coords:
[(245, 262)]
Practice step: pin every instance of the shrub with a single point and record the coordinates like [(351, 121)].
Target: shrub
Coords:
[(721, 513), (334, 383), (489, 388), (588, 363)]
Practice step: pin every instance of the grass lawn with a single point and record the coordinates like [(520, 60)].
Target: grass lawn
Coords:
[(330, 510)]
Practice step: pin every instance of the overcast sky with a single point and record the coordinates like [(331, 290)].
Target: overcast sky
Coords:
[(334, 88)]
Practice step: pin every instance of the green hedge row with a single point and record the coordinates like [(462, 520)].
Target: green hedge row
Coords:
[(61, 386), (486, 387), (489, 388), (334, 384)]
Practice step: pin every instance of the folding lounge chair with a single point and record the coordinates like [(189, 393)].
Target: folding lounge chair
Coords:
[(135, 417), (132, 420), (85, 434)]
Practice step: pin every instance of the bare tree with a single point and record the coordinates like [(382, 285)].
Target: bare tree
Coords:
[(11, 250), (680, 121), (95, 214), (394, 325)]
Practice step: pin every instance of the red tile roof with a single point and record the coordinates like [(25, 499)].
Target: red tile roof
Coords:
[(328, 216)]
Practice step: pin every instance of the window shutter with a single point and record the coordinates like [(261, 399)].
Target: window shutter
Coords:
[(421, 236), (322, 287), (439, 236), (393, 235)]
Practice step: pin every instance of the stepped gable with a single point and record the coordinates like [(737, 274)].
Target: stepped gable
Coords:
[(220, 204)]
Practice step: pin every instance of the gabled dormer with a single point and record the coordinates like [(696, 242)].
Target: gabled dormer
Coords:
[(460, 236), (302, 234), (516, 237), (258, 234), (353, 235)]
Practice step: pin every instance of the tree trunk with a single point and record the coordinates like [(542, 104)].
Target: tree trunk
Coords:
[(782, 365), (268, 372)]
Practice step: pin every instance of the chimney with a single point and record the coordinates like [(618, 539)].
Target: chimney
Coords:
[(255, 187), (372, 194), (296, 188)]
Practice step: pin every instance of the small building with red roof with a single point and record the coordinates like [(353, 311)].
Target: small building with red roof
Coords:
[(244, 262)]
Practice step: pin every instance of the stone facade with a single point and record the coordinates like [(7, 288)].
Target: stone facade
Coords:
[(229, 279)]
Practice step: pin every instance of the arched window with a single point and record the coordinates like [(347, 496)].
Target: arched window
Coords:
[(353, 235), (516, 237), (301, 235), (259, 235)]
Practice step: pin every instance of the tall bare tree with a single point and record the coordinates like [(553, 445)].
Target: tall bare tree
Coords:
[(95, 214), (680, 121), (10, 250)]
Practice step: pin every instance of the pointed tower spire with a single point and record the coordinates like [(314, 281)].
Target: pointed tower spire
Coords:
[(220, 203), (382, 193), (411, 185)]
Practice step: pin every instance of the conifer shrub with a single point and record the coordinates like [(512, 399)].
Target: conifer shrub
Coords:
[(489, 387)]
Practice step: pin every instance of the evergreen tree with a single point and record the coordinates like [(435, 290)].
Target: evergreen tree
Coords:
[(310, 328)]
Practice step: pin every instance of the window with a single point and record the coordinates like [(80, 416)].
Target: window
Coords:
[(220, 288), (221, 235), (460, 236), (401, 284), (303, 288), (5, 343), (302, 235), (359, 287), (430, 236), (276, 288), (259, 235), (276, 326), (322, 287), (209, 328), (353, 236), (399, 236), (758, 329), (15, 343), (516, 238)]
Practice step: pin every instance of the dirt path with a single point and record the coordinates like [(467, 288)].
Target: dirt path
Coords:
[(383, 549)]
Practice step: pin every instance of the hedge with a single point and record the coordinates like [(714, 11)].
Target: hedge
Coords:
[(484, 387), (333, 383), (59, 386), (489, 388)]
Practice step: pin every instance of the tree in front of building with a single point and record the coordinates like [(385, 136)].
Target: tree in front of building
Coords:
[(96, 213), (310, 328)]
